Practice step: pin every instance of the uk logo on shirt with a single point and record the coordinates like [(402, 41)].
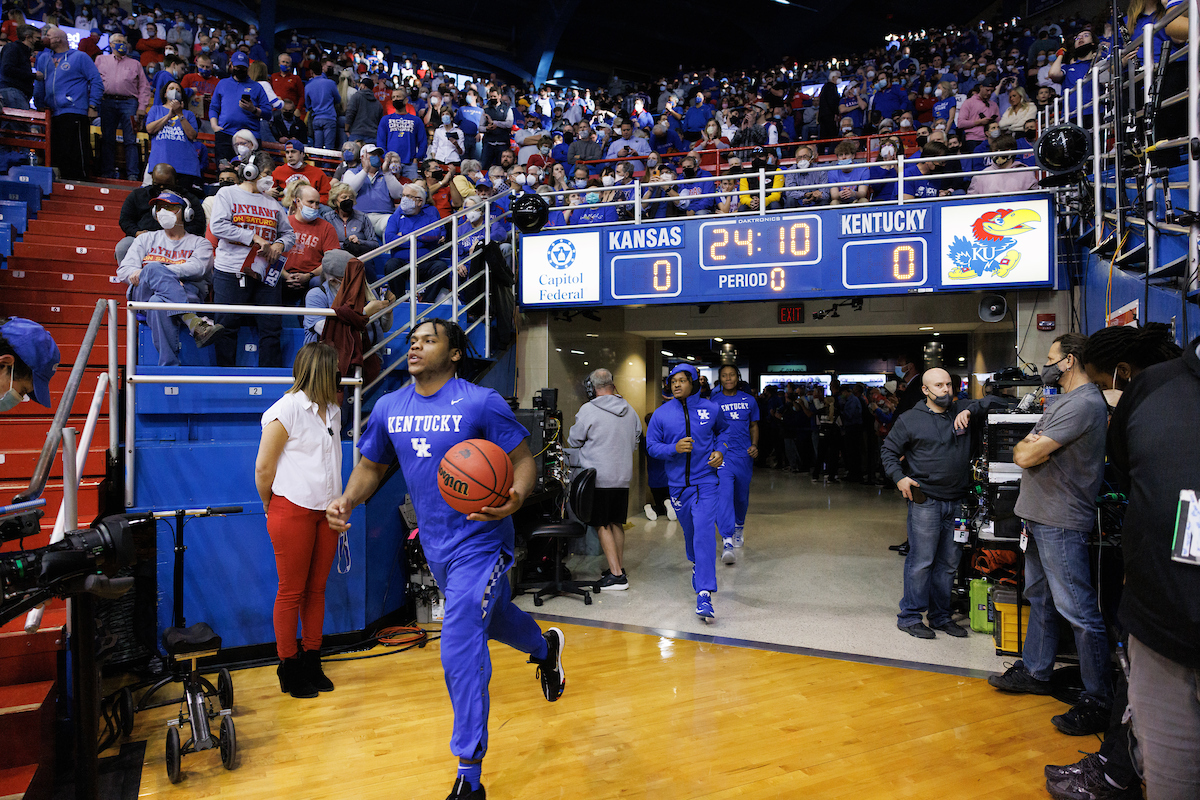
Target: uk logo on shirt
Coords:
[(702, 413), (422, 447)]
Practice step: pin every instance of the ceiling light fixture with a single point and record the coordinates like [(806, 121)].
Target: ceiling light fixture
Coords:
[(829, 347)]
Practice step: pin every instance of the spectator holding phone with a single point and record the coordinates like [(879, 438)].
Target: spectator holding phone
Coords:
[(448, 140), (977, 111)]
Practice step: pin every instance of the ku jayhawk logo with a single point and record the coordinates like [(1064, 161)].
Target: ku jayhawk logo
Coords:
[(422, 448), (990, 250)]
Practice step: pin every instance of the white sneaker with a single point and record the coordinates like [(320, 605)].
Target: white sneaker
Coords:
[(671, 515), (738, 539), (728, 556), (651, 514)]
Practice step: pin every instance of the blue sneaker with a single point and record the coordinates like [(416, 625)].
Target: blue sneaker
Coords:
[(704, 608), (738, 539), (728, 556)]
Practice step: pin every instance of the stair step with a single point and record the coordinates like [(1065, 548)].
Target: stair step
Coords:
[(82, 210), (25, 782), (74, 253), (95, 284), (46, 313), (28, 657), (69, 338), (27, 723), (37, 264), (101, 231), (29, 433), (91, 192), (88, 498), (47, 296), (17, 465)]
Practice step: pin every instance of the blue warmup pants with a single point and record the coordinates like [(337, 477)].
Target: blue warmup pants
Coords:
[(696, 508), (735, 474), (479, 607)]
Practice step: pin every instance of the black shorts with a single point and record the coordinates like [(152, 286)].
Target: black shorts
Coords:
[(609, 507)]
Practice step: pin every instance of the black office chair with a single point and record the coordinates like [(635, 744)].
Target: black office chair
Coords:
[(579, 508)]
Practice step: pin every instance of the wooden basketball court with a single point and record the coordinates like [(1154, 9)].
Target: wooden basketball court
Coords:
[(643, 716)]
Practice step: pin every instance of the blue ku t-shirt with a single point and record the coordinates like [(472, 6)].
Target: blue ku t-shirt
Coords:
[(418, 431), (739, 410)]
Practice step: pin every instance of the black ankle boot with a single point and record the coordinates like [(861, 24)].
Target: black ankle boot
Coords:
[(310, 661), (292, 678)]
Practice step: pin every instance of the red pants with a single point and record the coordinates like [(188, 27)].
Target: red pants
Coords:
[(305, 547)]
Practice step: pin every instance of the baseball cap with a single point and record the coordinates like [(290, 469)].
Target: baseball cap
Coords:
[(334, 263), (293, 144), (37, 349), (370, 148), (239, 59), (168, 197)]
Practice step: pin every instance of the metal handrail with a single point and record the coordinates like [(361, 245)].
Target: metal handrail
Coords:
[(37, 483)]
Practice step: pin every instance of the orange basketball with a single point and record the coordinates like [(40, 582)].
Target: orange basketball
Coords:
[(473, 474)]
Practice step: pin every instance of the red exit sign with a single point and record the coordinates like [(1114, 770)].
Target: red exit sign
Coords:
[(791, 314)]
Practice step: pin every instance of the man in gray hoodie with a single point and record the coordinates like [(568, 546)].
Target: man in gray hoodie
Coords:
[(606, 434)]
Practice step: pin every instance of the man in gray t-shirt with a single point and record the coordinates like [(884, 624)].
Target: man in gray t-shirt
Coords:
[(1063, 459)]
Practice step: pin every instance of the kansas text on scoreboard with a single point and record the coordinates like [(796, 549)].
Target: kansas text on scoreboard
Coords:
[(829, 252)]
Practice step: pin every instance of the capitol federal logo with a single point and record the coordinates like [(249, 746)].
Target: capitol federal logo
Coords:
[(561, 254)]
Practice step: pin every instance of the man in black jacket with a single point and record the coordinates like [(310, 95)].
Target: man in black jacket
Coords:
[(137, 216), (1154, 442), (934, 478), (16, 75)]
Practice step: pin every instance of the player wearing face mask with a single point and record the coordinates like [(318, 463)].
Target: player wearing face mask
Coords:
[(252, 232), (934, 476)]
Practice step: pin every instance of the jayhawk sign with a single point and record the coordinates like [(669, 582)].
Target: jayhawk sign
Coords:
[(995, 243), (992, 247)]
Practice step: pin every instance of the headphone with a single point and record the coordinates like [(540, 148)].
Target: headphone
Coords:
[(188, 213), (248, 171)]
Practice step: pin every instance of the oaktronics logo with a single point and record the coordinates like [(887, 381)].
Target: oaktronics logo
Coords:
[(561, 254), (991, 249)]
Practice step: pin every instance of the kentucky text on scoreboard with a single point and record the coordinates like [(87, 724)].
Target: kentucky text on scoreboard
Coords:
[(959, 245)]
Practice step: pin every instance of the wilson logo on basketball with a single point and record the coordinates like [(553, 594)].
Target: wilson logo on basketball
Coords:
[(451, 483)]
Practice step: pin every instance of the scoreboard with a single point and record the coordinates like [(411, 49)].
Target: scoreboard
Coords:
[(953, 245)]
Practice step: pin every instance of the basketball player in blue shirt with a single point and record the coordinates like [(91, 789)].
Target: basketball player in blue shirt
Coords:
[(469, 555), (741, 418), (686, 434)]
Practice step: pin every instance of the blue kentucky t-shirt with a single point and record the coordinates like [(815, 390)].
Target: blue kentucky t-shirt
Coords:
[(739, 410), (418, 431)]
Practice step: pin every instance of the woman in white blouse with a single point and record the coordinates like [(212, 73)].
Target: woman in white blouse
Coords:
[(298, 473)]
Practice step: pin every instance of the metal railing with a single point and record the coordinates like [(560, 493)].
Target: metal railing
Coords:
[(41, 471), (633, 194)]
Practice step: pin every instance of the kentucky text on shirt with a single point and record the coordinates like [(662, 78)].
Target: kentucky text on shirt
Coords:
[(423, 423)]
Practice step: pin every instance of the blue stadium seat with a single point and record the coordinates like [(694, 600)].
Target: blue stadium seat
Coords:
[(42, 177), (6, 239), (16, 192), (15, 214)]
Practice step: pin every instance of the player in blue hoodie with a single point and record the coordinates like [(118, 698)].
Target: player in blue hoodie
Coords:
[(685, 434), (741, 413)]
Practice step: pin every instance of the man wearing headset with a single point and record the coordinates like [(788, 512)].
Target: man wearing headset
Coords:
[(252, 233), (686, 433), (170, 265), (741, 415), (606, 434)]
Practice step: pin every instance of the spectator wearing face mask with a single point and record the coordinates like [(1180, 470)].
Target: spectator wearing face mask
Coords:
[(324, 104), (286, 124), (315, 236), (528, 138), (803, 185), (889, 98), (152, 46), (333, 272), (696, 118), (403, 133), (438, 182), (1000, 177), (695, 206), (226, 176), (127, 97), (352, 227), (172, 130), (917, 182), (853, 106), (846, 180), (888, 150), (593, 216), (170, 265), (244, 218), (449, 141), (1066, 74), (237, 103), (629, 147), (413, 214), (945, 105), (287, 85), (750, 182), (584, 148), (137, 212), (363, 112), (377, 190)]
